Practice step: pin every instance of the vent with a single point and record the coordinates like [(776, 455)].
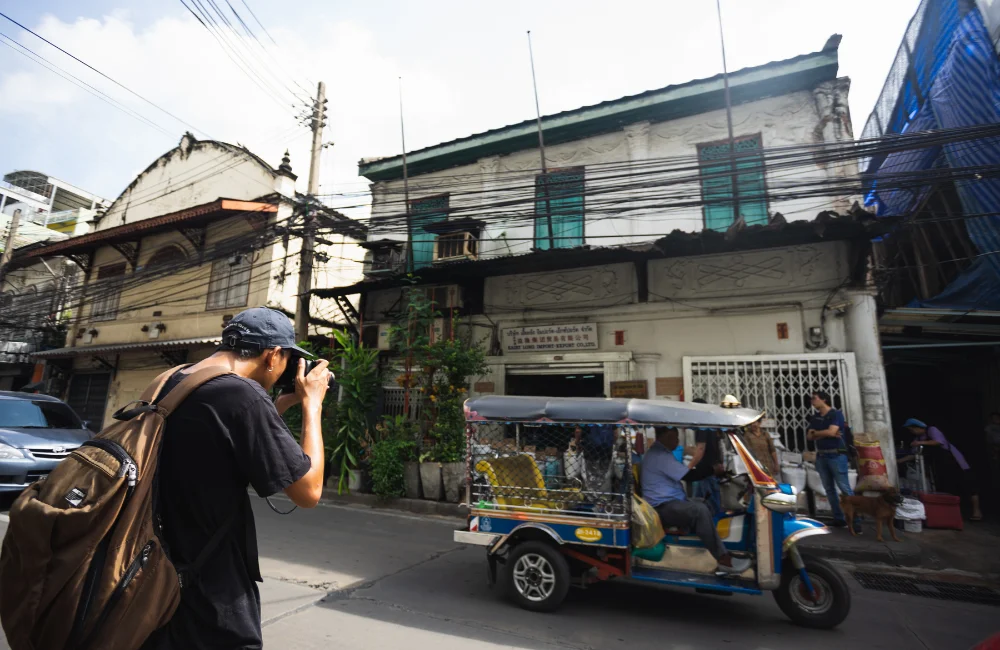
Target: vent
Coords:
[(56, 453), (936, 589)]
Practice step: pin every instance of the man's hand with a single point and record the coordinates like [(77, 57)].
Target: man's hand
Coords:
[(811, 434), (286, 401), (311, 388)]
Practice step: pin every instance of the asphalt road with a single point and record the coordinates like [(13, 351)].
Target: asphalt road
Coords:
[(339, 577)]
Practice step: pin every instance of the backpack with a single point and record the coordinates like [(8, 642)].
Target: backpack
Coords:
[(82, 565)]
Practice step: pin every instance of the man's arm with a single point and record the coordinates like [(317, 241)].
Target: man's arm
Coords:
[(311, 389), (699, 453)]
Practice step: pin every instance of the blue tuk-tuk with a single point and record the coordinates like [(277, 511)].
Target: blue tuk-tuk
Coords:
[(549, 488)]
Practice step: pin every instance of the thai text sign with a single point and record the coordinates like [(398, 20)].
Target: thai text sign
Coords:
[(551, 337)]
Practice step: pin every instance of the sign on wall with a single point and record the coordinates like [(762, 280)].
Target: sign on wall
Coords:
[(551, 337), (635, 388)]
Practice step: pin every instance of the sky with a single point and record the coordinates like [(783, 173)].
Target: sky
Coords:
[(464, 68)]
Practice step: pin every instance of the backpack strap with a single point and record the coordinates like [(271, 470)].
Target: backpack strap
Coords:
[(173, 399), (156, 385), (187, 574)]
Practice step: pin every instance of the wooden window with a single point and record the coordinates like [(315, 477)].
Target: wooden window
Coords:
[(230, 283), (106, 292), (424, 212), (454, 245), (559, 193), (165, 257), (717, 182)]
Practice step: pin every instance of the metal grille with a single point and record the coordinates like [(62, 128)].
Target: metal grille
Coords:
[(779, 385), (57, 453), (584, 471), (394, 403), (898, 584)]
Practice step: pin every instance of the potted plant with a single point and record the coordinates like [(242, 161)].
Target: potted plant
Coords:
[(430, 475), (403, 432), (358, 379)]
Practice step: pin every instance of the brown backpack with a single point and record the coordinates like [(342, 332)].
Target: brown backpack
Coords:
[(82, 566)]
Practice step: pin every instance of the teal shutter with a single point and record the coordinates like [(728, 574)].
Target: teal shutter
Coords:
[(717, 183), (424, 212), (565, 201)]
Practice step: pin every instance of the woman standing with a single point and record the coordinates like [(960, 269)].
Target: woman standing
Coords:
[(948, 462), (761, 445)]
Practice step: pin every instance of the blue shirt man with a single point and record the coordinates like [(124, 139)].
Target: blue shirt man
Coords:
[(660, 476)]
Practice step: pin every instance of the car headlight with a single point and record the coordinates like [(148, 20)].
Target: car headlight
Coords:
[(6, 452)]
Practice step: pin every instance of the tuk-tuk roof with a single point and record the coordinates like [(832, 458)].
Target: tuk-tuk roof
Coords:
[(585, 410)]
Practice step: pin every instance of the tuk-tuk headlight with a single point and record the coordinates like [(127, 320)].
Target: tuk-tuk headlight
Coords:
[(780, 502)]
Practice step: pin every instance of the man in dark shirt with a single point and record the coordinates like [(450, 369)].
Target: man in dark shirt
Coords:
[(224, 436), (826, 429), (706, 455)]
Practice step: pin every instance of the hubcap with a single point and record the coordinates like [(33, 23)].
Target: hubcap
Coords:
[(818, 603), (534, 577)]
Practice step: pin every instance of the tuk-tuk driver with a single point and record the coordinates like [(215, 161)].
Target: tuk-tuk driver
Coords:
[(662, 488)]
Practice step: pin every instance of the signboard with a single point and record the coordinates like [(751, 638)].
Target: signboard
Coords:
[(551, 338), (637, 389), (669, 385), (484, 387)]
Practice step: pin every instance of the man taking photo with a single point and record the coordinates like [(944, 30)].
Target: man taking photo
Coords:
[(225, 436)]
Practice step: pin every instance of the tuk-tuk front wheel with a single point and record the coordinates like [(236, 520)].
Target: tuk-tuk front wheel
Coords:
[(825, 606), (538, 576)]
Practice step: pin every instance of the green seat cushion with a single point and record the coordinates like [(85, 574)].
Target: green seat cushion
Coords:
[(653, 553)]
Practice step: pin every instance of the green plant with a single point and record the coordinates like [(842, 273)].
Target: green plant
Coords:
[(358, 379), (387, 458)]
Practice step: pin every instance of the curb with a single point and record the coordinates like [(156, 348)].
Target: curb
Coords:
[(905, 556), (415, 506)]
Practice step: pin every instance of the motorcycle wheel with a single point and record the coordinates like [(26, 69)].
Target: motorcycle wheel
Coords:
[(832, 601)]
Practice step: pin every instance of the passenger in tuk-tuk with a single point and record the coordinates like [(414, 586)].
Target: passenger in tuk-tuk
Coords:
[(661, 478)]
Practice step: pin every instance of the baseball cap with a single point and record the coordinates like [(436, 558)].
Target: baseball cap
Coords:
[(914, 422), (261, 328)]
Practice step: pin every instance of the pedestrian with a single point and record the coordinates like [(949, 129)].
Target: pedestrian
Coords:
[(951, 471), (826, 429), (762, 447), (226, 435), (706, 455)]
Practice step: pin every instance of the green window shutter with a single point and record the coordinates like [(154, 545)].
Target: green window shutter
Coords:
[(717, 184), (566, 203), (424, 212)]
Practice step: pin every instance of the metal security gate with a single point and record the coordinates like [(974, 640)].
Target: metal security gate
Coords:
[(780, 385)]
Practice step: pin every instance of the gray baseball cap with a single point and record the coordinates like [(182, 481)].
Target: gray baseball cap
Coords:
[(261, 328)]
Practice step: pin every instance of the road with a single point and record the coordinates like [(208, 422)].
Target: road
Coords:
[(339, 577)]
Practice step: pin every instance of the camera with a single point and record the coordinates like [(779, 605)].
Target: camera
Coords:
[(286, 382)]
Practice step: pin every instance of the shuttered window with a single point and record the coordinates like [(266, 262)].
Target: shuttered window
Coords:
[(106, 292), (559, 193), (424, 212), (87, 396), (230, 283), (717, 182)]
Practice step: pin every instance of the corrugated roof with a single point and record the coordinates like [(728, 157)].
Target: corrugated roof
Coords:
[(125, 347), (27, 233)]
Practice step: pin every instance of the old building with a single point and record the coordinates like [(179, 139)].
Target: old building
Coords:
[(648, 260), (205, 231)]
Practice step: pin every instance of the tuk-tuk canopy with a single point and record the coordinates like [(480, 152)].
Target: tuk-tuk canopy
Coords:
[(593, 410)]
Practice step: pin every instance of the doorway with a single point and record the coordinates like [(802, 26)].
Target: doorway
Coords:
[(562, 385)]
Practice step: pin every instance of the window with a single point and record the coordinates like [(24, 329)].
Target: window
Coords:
[(559, 193), (717, 182), (454, 245), (424, 212), (37, 415), (107, 291), (166, 257), (230, 283)]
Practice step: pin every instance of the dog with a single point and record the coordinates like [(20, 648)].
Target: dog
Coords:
[(882, 508)]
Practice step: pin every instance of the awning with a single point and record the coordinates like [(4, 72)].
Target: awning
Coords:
[(81, 350)]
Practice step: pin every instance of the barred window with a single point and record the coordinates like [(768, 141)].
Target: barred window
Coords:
[(106, 292)]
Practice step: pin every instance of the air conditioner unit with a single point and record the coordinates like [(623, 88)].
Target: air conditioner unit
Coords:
[(453, 246), (440, 329), (376, 336), (446, 297), (383, 337)]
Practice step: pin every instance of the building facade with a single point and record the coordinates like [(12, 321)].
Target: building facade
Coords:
[(647, 260), (207, 230)]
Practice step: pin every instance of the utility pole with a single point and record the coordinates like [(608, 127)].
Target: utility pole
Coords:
[(309, 234), (541, 148), (729, 117), (8, 249)]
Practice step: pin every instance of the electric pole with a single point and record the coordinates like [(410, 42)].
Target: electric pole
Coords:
[(309, 234), (8, 249)]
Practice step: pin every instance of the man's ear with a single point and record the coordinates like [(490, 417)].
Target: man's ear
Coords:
[(273, 357)]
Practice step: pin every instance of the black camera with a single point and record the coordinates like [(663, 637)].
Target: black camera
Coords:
[(286, 382)]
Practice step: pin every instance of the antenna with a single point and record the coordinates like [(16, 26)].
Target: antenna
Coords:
[(729, 117), (541, 147)]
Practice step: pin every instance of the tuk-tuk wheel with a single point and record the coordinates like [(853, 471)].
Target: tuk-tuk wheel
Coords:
[(825, 607), (538, 576)]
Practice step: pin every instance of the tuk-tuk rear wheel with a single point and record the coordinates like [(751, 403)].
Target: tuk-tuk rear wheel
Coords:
[(538, 576), (825, 609)]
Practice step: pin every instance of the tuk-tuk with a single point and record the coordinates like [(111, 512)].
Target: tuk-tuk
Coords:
[(549, 485)]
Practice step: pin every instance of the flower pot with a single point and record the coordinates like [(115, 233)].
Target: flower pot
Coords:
[(430, 480), (411, 474), (354, 480), (452, 476)]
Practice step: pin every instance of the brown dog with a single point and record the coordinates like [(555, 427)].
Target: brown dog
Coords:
[(882, 508)]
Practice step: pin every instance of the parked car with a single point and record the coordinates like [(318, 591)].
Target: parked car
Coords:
[(36, 432)]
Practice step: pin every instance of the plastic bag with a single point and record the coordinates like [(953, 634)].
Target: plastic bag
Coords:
[(647, 530), (872, 473), (910, 510)]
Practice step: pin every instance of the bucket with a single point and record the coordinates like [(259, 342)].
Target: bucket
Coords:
[(912, 525)]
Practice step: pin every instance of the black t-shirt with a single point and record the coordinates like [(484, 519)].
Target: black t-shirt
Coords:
[(712, 455), (224, 436)]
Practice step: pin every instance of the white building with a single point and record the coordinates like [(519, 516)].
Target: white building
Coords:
[(653, 281), (49, 202)]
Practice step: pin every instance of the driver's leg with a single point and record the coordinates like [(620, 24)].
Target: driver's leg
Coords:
[(693, 516)]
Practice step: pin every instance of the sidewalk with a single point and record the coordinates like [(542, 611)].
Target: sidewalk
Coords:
[(972, 550)]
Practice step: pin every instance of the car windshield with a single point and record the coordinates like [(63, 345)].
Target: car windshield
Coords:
[(37, 415)]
